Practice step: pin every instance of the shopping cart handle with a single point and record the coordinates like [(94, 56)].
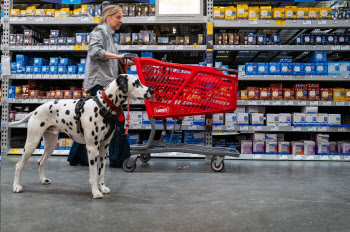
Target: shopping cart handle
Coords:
[(131, 56), (226, 69)]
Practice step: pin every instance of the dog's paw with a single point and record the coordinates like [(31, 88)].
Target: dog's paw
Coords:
[(105, 190), (97, 195), (45, 181), (17, 188)]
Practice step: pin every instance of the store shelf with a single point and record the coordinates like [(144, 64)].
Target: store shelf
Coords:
[(283, 24), (251, 129), (47, 77), (291, 103), (139, 127), (83, 48), (330, 157), (340, 48), (292, 78), (94, 20)]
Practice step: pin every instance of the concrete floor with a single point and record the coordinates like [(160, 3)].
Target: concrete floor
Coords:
[(248, 196)]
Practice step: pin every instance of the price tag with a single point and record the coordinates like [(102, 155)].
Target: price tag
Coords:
[(336, 47), (306, 22), (70, 47), (54, 47), (301, 103), (164, 47), (78, 47), (265, 103), (39, 19), (335, 157), (46, 76), (13, 19), (195, 46), (276, 103), (179, 47), (347, 47), (256, 156), (85, 19), (253, 22), (257, 128), (268, 22), (324, 157), (142, 47), (27, 47), (274, 128), (45, 47), (340, 103), (322, 128), (124, 47), (148, 127), (313, 103), (346, 157), (136, 127), (311, 128), (34, 100), (288, 103), (229, 128), (29, 76), (321, 22), (14, 151), (55, 76), (64, 76), (61, 48), (252, 102), (309, 157), (244, 128), (342, 129), (283, 157), (151, 18), (96, 19), (280, 22), (37, 76), (297, 157), (296, 128), (327, 103)]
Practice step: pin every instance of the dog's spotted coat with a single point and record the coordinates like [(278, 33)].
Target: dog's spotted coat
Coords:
[(59, 116)]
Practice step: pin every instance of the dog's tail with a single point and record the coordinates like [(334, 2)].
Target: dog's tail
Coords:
[(22, 121)]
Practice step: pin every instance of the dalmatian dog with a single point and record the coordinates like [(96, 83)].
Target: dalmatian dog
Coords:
[(59, 116)]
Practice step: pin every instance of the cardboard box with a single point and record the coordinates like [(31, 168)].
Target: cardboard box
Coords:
[(246, 147), (271, 137), (322, 138), (230, 119), (297, 147), (322, 148), (258, 147), (257, 137), (257, 119), (242, 119), (309, 109), (253, 12), (291, 12), (218, 119), (265, 12), (302, 13), (271, 147), (309, 148), (242, 11), (311, 120), (339, 94), (230, 13), (284, 119), (272, 120), (322, 119), (284, 148), (334, 119), (298, 119), (314, 12)]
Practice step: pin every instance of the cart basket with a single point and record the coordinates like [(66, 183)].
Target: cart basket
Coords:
[(185, 90)]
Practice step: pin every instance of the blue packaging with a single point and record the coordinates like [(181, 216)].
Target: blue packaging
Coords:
[(287, 68), (318, 57), (298, 69), (241, 70), (147, 54), (310, 68), (83, 60), (218, 65), (225, 67), (72, 69), (275, 38), (321, 68), (13, 67), (29, 69), (299, 39), (263, 68), (54, 60), (286, 60), (40, 61), (80, 38), (275, 68), (12, 92), (37, 69), (333, 68), (25, 59), (251, 68), (201, 64), (62, 69), (251, 38), (66, 61), (45, 69), (81, 69), (53, 69), (20, 67)]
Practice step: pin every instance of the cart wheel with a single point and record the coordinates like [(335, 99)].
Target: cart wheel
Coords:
[(215, 167), (127, 167), (145, 157)]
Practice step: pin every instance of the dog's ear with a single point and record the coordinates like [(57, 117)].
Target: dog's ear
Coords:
[(122, 82)]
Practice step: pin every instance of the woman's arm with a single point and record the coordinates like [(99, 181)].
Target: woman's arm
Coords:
[(109, 56)]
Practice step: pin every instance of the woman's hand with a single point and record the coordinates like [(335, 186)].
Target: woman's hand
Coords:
[(131, 62)]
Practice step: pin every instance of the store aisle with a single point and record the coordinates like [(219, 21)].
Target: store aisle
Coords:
[(248, 196)]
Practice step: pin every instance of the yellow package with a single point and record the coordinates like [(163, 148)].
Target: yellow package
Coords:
[(242, 11), (30, 11), (57, 13), (265, 12), (40, 12), (326, 12), (302, 13), (15, 12), (291, 12), (279, 13), (230, 13), (23, 12), (62, 144), (77, 12), (253, 13), (244, 95), (69, 143), (50, 12), (219, 12), (347, 95), (339, 94), (64, 12), (84, 11), (314, 13)]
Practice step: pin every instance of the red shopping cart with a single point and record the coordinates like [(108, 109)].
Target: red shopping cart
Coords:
[(179, 91)]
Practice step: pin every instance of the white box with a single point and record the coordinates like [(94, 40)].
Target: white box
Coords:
[(322, 138), (257, 119), (309, 109), (242, 119), (297, 147), (344, 148), (322, 119), (284, 119), (187, 121), (62, 144), (218, 119), (240, 109), (230, 119), (246, 147), (271, 137), (309, 148), (145, 119), (251, 109), (135, 117), (19, 116), (272, 120), (271, 147), (283, 147), (322, 148), (280, 137), (333, 147), (257, 137), (298, 119), (69, 144), (199, 120), (334, 119), (258, 147), (310, 119)]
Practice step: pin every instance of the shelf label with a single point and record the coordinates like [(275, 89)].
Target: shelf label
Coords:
[(96, 19), (85, 19), (322, 128), (296, 128), (280, 22), (311, 128), (274, 128), (335, 157), (284, 157), (340, 103), (257, 128), (14, 151), (124, 47), (336, 47), (179, 47), (252, 102), (313, 103), (195, 46), (288, 103), (39, 19), (347, 47), (297, 157), (54, 47), (151, 18), (253, 22), (29, 76), (327, 103), (265, 103), (321, 22), (256, 156), (301, 103), (341, 129), (243, 128), (78, 47), (346, 157), (164, 47), (148, 127), (276, 103), (27, 47), (136, 127), (306, 22), (324, 157), (310, 157), (45, 76)]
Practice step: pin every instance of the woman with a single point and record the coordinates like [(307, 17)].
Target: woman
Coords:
[(101, 69)]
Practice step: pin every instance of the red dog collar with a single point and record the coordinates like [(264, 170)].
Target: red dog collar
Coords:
[(113, 106)]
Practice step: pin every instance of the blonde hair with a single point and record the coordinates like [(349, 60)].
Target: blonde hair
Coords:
[(109, 10)]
